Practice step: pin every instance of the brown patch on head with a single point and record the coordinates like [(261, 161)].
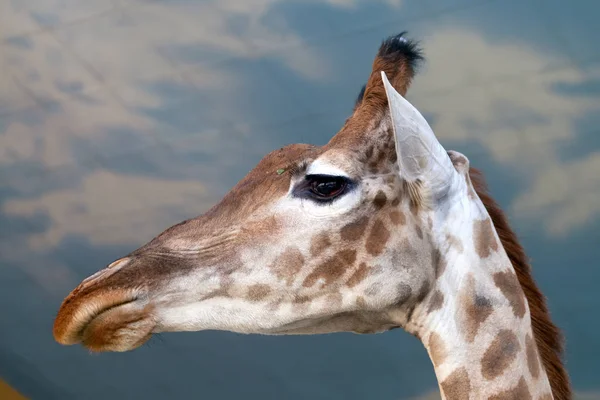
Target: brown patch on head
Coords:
[(484, 238), (332, 268), (474, 309), (287, 264), (354, 230), (397, 217), (380, 200), (500, 354), (319, 243), (509, 286), (457, 385), (359, 275), (532, 357), (436, 302), (378, 238), (547, 336), (258, 292), (437, 349), (519, 392), (261, 228)]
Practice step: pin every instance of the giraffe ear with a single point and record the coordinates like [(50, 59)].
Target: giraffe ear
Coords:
[(421, 157)]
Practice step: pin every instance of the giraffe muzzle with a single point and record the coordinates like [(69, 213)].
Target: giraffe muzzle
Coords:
[(102, 317)]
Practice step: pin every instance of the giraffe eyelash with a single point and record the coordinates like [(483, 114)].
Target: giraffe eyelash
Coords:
[(323, 189)]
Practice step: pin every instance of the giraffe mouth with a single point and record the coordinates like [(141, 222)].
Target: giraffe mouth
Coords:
[(111, 322)]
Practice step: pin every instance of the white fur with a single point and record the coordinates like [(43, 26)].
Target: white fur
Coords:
[(320, 167)]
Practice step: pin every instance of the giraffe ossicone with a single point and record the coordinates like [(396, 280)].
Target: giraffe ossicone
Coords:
[(381, 228)]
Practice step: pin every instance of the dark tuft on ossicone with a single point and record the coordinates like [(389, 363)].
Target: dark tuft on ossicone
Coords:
[(398, 49)]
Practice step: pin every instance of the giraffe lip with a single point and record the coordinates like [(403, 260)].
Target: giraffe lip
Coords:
[(121, 327), (103, 320), (99, 314)]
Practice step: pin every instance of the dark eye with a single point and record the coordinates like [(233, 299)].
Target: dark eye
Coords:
[(322, 188)]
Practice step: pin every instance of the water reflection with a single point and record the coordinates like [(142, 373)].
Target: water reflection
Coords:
[(119, 118)]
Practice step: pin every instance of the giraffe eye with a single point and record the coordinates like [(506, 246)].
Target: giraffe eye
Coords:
[(322, 188)]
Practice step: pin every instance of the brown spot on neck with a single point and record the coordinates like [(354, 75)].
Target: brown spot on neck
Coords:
[(437, 349), (436, 302), (455, 242), (377, 238), (519, 392), (532, 357), (457, 385), (331, 269), (474, 309), (500, 354), (509, 286), (484, 237)]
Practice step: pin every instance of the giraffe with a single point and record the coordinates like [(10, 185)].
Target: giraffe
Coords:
[(380, 228)]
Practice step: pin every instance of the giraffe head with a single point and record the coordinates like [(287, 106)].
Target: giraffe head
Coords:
[(313, 240)]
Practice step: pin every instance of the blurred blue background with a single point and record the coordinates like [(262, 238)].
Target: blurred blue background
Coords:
[(119, 118)]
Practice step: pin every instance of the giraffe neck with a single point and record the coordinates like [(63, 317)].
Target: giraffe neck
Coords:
[(476, 325)]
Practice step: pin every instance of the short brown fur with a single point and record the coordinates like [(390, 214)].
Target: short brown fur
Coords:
[(457, 385), (519, 392)]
